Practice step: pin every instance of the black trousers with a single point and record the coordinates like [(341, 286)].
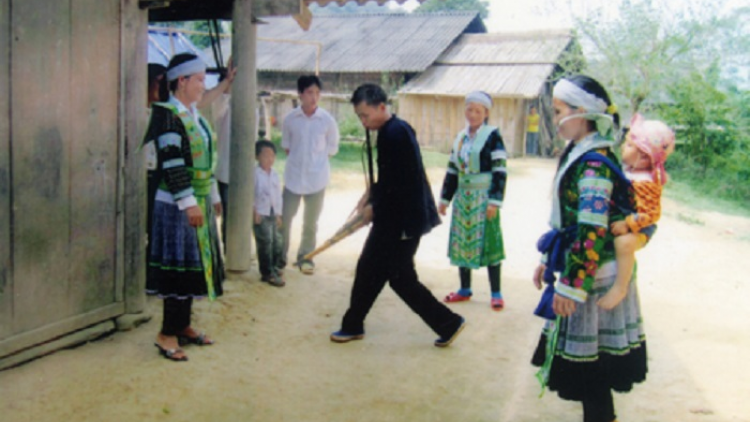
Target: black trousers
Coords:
[(388, 258), (176, 316)]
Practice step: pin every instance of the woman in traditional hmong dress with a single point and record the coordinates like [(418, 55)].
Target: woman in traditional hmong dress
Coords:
[(185, 261), (475, 181), (586, 351)]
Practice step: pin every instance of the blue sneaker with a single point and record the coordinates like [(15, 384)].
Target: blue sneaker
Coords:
[(445, 342), (342, 336)]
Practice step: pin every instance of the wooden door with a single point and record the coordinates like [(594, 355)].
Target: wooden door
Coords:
[(64, 161)]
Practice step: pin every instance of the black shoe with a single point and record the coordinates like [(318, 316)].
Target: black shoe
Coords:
[(446, 341)]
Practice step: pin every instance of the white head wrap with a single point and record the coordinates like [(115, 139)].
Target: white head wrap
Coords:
[(479, 97), (596, 108), (185, 69)]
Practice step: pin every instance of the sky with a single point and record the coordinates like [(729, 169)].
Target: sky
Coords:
[(514, 15)]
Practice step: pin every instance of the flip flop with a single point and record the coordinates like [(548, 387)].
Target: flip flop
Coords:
[(200, 340), (498, 304), (170, 353), (456, 297)]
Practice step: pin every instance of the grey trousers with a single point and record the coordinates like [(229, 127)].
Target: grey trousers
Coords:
[(313, 208)]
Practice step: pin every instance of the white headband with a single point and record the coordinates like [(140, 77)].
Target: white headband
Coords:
[(572, 94), (185, 69), (479, 97)]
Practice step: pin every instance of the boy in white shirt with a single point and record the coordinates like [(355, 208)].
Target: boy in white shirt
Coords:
[(266, 215)]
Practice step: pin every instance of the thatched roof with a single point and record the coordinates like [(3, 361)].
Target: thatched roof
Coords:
[(387, 42), (501, 64)]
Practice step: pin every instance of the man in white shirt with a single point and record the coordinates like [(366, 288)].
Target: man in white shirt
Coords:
[(310, 137)]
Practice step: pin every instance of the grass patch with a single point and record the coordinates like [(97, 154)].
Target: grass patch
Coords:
[(685, 193)]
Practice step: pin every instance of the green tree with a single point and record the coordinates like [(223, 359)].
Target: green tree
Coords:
[(647, 47), (481, 6)]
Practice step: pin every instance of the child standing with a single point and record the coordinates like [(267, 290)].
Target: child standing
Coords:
[(644, 152), (266, 214)]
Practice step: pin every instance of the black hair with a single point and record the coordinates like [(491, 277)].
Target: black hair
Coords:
[(370, 94), (306, 81), (177, 60), (263, 143), (593, 87), (156, 70)]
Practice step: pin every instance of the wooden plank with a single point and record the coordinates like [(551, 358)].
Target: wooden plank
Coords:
[(6, 275), (94, 56), (132, 188), (42, 335), (40, 96), (75, 338)]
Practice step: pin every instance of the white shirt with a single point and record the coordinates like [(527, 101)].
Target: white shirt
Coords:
[(311, 140), (267, 192), (223, 116)]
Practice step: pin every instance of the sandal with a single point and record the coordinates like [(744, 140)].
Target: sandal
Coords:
[(170, 353), (497, 304), (456, 297), (200, 340)]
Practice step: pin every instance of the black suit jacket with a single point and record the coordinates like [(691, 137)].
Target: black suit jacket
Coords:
[(401, 198)]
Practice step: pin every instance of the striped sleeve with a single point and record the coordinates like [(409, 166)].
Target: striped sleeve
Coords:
[(499, 159), (173, 165), (594, 193), (450, 183)]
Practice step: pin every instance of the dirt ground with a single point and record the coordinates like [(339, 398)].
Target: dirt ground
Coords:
[(273, 360)]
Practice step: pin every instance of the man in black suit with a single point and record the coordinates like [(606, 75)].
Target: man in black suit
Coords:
[(402, 209)]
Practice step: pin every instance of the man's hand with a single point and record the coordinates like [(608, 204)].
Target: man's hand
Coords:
[(619, 228), (195, 216), (367, 214), (257, 218), (278, 221), (218, 209)]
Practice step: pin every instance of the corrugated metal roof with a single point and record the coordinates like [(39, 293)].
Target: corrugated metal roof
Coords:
[(503, 65), (388, 42)]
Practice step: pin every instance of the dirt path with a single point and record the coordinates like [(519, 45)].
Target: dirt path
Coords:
[(274, 362)]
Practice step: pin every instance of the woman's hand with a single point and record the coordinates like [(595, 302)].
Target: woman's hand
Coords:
[(442, 207), (538, 276), (491, 211), (218, 209), (367, 214), (563, 306), (195, 216)]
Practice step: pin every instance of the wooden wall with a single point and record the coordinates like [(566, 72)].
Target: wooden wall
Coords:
[(438, 119), (64, 156)]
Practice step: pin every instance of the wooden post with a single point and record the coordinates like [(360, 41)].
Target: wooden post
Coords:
[(132, 204), (6, 275), (243, 136)]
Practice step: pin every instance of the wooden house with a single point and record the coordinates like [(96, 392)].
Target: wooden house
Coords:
[(347, 50), (514, 68), (72, 180)]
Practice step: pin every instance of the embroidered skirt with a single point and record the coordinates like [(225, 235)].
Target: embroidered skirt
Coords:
[(475, 241), (175, 264), (594, 343)]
